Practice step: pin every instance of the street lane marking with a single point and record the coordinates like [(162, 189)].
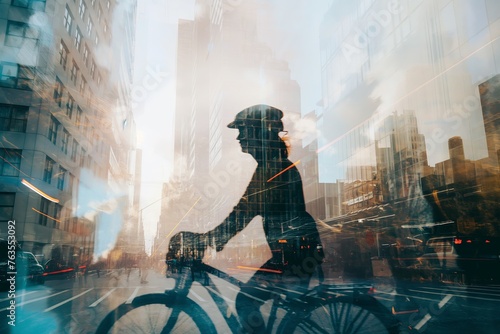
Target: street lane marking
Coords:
[(67, 300), (461, 296), (428, 317), (219, 295), (422, 321), (462, 291), (445, 300), (132, 296), (248, 295), (37, 299), (197, 296), (20, 295), (94, 304), (401, 294)]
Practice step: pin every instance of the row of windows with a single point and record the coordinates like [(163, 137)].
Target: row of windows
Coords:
[(54, 130), (50, 214), (13, 75), (69, 19), (48, 173), (31, 4)]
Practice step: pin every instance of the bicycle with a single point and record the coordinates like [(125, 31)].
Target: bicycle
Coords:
[(345, 308)]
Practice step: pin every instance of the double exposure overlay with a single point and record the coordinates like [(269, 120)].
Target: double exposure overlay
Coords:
[(249, 166)]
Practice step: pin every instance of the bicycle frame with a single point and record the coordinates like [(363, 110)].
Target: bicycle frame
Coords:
[(281, 297)]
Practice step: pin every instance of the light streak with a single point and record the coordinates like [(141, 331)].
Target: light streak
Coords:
[(260, 269), (284, 170), (46, 215), (39, 192)]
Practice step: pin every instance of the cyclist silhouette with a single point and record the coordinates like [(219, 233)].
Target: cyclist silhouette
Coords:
[(275, 194)]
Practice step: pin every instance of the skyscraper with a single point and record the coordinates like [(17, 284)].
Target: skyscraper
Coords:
[(67, 130)]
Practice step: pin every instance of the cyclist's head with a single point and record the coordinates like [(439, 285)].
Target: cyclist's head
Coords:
[(259, 116), (259, 128)]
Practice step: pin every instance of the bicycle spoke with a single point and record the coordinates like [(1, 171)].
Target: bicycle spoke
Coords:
[(312, 326), (355, 325)]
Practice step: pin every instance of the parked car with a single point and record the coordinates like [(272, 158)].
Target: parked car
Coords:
[(440, 253), (27, 268)]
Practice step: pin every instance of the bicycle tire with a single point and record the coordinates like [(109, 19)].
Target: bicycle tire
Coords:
[(339, 315), (151, 313)]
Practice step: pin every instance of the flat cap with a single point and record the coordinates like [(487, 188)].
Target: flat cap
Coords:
[(260, 115)]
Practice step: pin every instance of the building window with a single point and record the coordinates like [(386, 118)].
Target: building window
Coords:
[(78, 118), (68, 20), (19, 33), (58, 91), (90, 26), (57, 214), (65, 141), (69, 106), (99, 13), (32, 4), (63, 54), (48, 170), (74, 72), (16, 76), (82, 8), (108, 4), (44, 211), (78, 39), (96, 40), (105, 27), (83, 86), (99, 79), (86, 53), (53, 128), (92, 2), (10, 162), (92, 70), (13, 118), (83, 157), (74, 150), (60, 178), (7, 206)]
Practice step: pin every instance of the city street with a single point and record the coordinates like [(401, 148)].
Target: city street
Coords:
[(78, 306)]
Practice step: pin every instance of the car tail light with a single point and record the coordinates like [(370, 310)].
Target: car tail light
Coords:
[(469, 241), (457, 241), (487, 241)]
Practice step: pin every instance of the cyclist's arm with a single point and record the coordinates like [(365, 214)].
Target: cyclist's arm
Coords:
[(236, 221)]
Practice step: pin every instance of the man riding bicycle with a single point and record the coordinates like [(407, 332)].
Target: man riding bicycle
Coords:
[(275, 194)]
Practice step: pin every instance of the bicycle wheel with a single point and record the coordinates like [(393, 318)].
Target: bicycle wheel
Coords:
[(341, 314), (157, 313)]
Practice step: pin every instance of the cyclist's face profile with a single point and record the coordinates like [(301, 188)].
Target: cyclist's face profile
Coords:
[(243, 139)]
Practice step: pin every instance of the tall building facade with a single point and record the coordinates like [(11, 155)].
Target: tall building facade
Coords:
[(222, 68), (67, 129), (408, 118)]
